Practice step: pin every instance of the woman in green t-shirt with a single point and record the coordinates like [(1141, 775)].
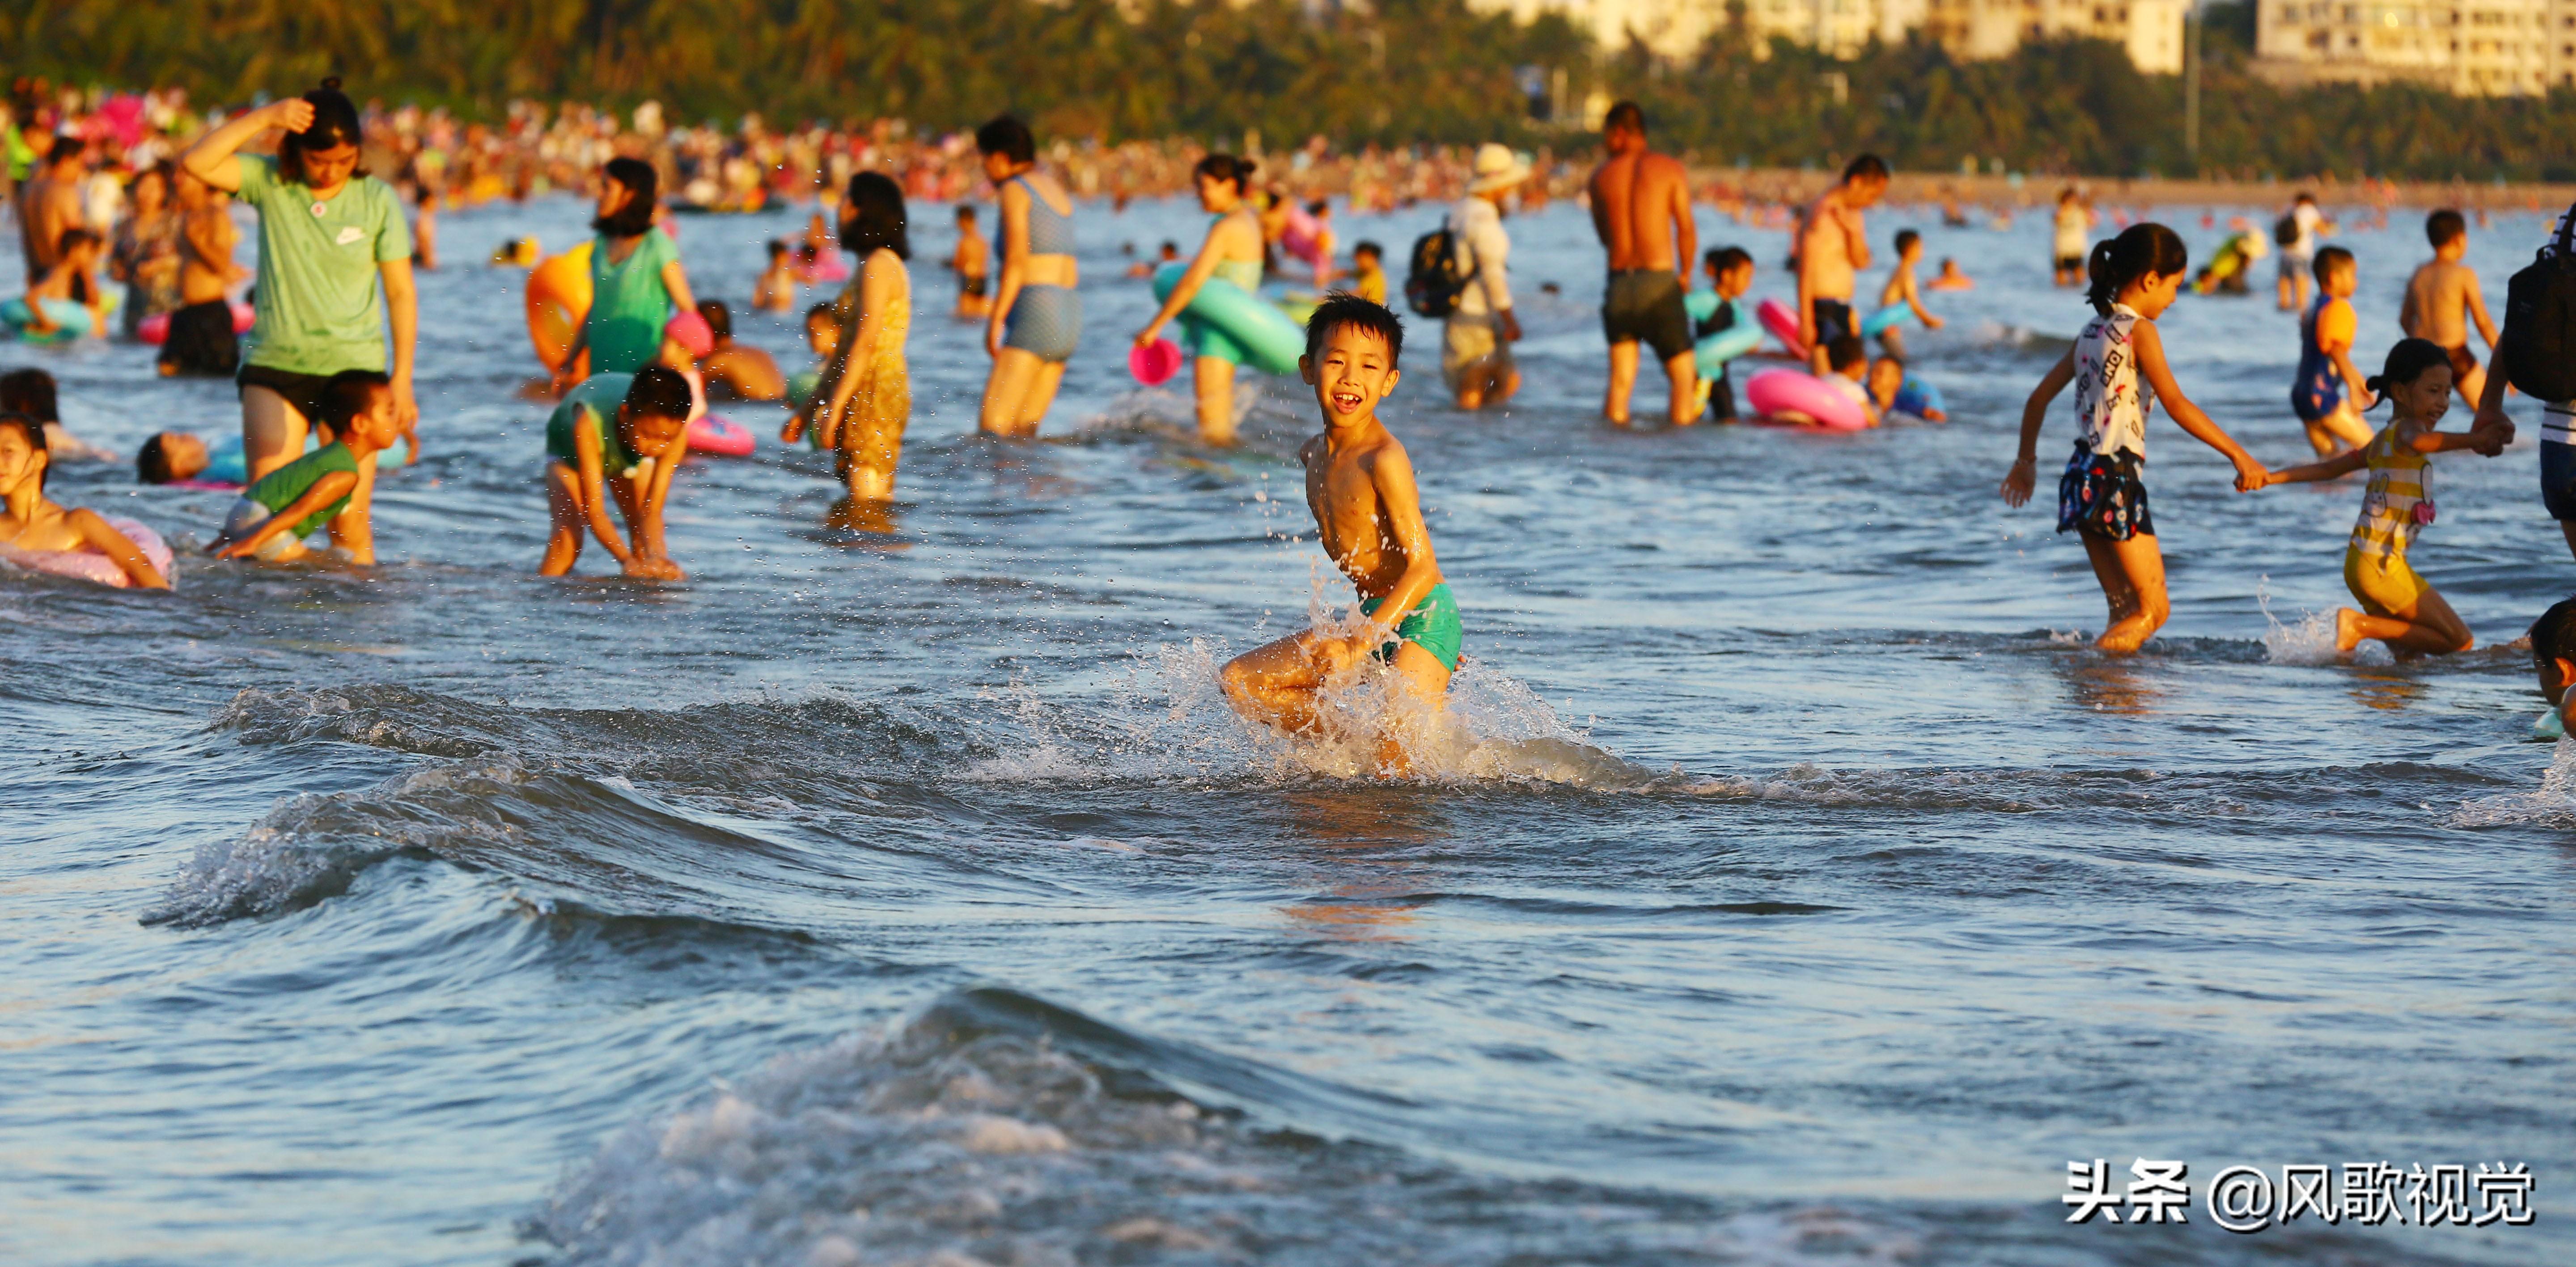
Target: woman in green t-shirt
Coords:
[(334, 270), (635, 277)]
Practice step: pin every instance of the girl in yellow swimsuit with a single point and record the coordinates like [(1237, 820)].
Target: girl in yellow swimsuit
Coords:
[(2399, 607)]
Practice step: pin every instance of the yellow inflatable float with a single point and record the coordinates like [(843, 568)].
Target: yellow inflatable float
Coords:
[(558, 299)]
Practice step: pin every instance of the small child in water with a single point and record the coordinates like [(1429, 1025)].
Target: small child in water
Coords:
[(30, 521), (1896, 392), (2553, 656), (1368, 271), (972, 263), (69, 281), (776, 289), (2443, 297), (1368, 513), (1847, 360), (2399, 607), (823, 336), (1730, 273), (2328, 395), (616, 436), (2102, 497), (1902, 288), (333, 485), (1950, 278)]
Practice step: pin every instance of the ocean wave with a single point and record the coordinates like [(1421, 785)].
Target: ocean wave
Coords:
[(995, 1128)]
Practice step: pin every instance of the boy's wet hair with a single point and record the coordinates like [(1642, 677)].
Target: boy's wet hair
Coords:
[(1722, 260), (1889, 358), (2553, 636), (777, 247), (76, 237), (719, 318), (2445, 226), (822, 312), (350, 393), (636, 217), (1367, 248), (1626, 115), (151, 463), (659, 390), (965, 213), (1866, 167), (1844, 350), (1005, 135), (335, 123), (2143, 249), (2407, 362), (1342, 308), (1907, 240), (66, 148), (35, 429), (876, 217), (1226, 167), (2329, 259), (29, 391)]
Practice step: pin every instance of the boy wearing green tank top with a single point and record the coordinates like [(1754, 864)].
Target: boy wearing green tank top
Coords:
[(333, 485), (620, 436)]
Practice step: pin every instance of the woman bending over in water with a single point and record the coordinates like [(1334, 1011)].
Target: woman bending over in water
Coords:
[(1231, 252)]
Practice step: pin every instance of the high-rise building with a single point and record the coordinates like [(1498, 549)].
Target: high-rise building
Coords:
[(2151, 30), (2476, 47)]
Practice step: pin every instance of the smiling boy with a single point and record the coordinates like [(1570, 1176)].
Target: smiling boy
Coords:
[(1369, 515)]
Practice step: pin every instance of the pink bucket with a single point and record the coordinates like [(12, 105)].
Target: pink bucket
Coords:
[(1154, 363)]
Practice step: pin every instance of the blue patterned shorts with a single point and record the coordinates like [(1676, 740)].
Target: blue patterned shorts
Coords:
[(2102, 494)]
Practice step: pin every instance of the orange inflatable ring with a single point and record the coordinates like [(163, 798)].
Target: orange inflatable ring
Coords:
[(558, 300)]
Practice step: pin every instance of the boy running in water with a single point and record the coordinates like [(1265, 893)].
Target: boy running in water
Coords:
[(2443, 292), (1368, 514)]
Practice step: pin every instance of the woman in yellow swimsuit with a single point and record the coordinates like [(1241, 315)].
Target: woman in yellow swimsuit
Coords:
[(2399, 607)]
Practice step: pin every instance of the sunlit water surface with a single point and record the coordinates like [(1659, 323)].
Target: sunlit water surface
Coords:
[(1800, 888)]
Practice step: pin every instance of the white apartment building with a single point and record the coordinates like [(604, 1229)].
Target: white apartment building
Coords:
[(2475, 47), (2150, 29)]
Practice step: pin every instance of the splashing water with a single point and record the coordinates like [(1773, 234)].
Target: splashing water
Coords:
[(2552, 804)]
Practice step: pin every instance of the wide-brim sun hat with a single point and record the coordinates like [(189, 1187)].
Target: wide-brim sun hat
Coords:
[(1497, 168)]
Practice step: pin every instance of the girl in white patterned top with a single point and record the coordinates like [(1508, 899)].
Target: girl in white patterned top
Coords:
[(2115, 363)]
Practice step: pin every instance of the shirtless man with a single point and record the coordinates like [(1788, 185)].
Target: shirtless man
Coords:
[(2438, 296), (201, 339), (49, 203), (1641, 209), (736, 371), (1368, 513), (1833, 246)]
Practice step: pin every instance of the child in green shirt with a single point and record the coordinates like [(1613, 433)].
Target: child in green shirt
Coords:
[(333, 485)]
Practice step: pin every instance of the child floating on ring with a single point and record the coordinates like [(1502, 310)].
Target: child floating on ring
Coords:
[(38, 533), (616, 436), (333, 485), (2102, 497), (2399, 607), (1368, 513)]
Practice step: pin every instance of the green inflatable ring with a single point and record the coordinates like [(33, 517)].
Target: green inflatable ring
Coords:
[(1259, 328)]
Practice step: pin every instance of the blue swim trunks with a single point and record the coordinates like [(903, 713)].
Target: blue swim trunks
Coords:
[(1432, 625)]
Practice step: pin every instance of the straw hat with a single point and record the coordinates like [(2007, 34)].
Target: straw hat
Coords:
[(1497, 168)]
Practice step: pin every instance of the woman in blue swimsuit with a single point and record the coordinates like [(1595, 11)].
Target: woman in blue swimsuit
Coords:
[(1036, 319)]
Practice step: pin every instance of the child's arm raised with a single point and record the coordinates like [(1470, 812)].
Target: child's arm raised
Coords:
[(2025, 468), (2250, 474), (2336, 467), (119, 549), (326, 490), (211, 158)]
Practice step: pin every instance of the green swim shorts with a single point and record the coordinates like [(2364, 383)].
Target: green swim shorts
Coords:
[(1432, 625)]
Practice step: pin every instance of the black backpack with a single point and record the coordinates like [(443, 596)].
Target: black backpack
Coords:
[(1433, 283), (2286, 230), (2539, 343)]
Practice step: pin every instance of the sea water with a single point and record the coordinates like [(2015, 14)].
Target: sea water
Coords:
[(1791, 882)]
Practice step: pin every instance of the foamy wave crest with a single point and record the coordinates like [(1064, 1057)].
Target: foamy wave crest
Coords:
[(310, 847), (2552, 804), (997, 1129)]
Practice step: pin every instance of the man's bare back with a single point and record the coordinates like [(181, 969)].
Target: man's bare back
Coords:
[(205, 255), (1641, 209), (1833, 247), (1357, 531), (47, 206)]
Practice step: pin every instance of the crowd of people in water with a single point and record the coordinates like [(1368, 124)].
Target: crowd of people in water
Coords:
[(325, 381)]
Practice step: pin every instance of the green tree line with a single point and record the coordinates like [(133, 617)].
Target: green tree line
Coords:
[(1396, 71)]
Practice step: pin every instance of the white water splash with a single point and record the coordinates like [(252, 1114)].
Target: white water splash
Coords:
[(2552, 804)]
